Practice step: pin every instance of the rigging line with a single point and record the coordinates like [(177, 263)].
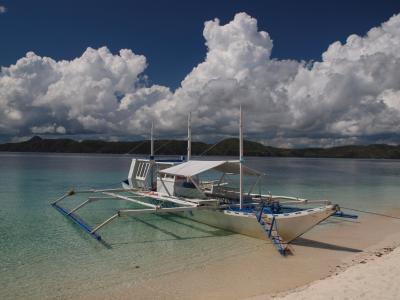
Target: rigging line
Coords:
[(212, 146), (371, 212), (163, 145), (136, 147)]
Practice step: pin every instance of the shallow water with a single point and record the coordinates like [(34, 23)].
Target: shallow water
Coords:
[(44, 255)]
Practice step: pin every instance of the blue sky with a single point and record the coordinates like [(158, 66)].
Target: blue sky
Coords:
[(169, 33), (307, 73)]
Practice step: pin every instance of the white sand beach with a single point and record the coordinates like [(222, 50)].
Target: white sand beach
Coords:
[(343, 259), (377, 278)]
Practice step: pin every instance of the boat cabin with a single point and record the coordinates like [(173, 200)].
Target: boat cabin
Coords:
[(143, 173), (188, 180)]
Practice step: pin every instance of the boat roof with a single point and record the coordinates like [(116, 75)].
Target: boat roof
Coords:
[(195, 167)]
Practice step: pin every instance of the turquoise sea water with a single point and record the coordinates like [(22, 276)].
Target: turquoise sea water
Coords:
[(44, 255)]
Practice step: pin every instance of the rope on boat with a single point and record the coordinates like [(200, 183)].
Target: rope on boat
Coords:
[(211, 147), (162, 146), (136, 147), (155, 151), (371, 212)]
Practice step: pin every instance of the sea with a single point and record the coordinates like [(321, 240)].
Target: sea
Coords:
[(43, 255)]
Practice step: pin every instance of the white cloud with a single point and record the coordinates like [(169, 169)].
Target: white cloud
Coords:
[(352, 95), (3, 9), (48, 129), (82, 95), (353, 91)]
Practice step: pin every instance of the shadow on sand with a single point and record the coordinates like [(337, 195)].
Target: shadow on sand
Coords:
[(321, 245)]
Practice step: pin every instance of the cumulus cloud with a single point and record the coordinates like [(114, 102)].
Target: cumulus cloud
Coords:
[(81, 96), (353, 91), (48, 129), (351, 95)]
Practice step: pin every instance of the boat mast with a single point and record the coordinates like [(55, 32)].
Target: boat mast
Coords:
[(189, 138), (241, 158), (152, 141)]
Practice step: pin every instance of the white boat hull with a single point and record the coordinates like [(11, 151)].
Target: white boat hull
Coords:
[(293, 225), (243, 224), (289, 226)]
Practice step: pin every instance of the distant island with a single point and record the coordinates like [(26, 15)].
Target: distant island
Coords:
[(227, 147)]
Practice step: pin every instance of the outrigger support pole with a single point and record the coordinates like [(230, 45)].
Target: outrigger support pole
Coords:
[(73, 192), (70, 193), (130, 199), (135, 212), (77, 221), (110, 194), (79, 206), (104, 223), (90, 199)]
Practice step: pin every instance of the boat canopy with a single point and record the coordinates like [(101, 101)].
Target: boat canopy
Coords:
[(195, 167)]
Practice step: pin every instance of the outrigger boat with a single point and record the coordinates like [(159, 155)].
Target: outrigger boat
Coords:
[(202, 190)]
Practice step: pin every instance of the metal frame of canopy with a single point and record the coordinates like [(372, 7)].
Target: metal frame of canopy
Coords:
[(193, 168), (196, 167)]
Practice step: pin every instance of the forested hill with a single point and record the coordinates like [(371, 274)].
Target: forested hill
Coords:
[(227, 147)]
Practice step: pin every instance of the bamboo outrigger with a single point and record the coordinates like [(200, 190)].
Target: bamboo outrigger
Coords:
[(184, 188)]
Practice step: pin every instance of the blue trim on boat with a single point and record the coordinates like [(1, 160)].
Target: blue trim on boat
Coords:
[(285, 210), (271, 227), (267, 209), (73, 217), (341, 214), (169, 160), (268, 228)]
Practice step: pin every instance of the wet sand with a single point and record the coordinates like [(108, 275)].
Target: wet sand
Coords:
[(261, 273)]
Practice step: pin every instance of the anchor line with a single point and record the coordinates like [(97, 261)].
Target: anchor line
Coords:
[(371, 212)]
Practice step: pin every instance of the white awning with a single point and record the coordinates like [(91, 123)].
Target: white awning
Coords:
[(195, 167)]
